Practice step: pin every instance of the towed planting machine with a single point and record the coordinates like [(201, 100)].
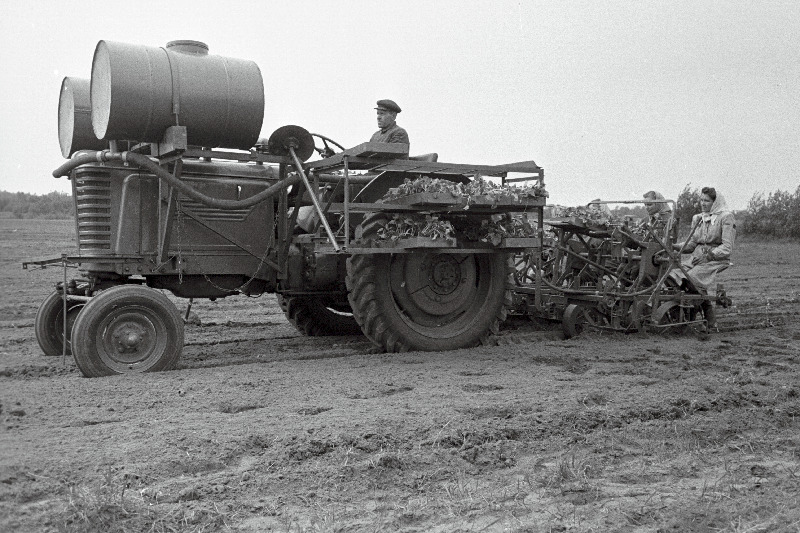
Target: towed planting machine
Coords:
[(595, 273), (174, 190)]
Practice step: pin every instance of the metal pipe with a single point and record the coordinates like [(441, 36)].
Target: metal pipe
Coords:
[(362, 179), (188, 310), (587, 260), (64, 309), (78, 298), (299, 167), (345, 160), (146, 163)]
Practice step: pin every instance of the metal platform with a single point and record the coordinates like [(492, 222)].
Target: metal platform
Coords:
[(383, 157)]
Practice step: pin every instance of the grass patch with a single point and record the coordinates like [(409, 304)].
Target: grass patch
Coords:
[(108, 506)]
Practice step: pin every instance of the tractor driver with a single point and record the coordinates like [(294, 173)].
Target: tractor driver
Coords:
[(389, 131)]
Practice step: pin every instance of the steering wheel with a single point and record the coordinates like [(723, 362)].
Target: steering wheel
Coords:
[(326, 151)]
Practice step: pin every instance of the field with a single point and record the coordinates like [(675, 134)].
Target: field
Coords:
[(261, 429)]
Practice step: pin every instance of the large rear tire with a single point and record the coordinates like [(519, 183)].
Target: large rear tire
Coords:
[(428, 300), (318, 317), (49, 324), (127, 329)]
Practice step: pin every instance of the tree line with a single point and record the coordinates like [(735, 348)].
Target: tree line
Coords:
[(53, 205)]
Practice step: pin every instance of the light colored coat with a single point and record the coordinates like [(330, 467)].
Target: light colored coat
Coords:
[(711, 244)]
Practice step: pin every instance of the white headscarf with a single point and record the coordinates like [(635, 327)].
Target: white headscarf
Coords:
[(602, 208), (719, 207), (658, 206)]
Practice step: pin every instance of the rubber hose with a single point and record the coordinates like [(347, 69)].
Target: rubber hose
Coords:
[(146, 163)]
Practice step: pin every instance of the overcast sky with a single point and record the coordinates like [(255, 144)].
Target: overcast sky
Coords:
[(612, 98)]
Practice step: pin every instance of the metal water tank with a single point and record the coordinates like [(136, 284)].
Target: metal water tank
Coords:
[(138, 91), (75, 118)]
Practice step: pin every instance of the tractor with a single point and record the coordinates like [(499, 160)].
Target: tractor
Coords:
[(174, 190)]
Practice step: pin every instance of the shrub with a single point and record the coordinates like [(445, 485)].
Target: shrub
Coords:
[(688, 205), (777, 215)]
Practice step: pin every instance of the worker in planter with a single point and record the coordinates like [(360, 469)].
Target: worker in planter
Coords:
[(659, 213), (710, 244)]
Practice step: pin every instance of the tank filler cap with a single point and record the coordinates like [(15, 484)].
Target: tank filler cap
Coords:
[(291, 136), (188, 47)]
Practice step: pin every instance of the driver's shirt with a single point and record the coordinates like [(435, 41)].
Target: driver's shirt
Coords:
[(390, 134)]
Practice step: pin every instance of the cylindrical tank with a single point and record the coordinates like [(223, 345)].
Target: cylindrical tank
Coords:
[(75, 118), (139, 91)]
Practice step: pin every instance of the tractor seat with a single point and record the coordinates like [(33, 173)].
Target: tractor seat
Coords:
[(428, 158)]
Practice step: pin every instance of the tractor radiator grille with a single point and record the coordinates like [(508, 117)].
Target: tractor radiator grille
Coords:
[(214, 213), (92, 192)]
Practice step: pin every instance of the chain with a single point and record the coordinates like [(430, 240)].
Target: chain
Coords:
[(180, 220), (205, 275), (243, 285)]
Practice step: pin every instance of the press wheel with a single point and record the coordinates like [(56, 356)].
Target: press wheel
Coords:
[(578, 318), (671, 317)]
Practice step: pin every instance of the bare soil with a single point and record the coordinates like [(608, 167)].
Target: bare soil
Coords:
[(261, 429)]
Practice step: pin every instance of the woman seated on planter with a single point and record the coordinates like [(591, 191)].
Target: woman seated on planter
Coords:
[(710, 243)]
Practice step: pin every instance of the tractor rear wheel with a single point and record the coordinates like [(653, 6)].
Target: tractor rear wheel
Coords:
[(127, 329), (318, 317), (428, 300), (49, 324)]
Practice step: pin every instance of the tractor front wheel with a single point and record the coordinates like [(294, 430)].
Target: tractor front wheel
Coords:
[(49, 324), (127, 329)]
